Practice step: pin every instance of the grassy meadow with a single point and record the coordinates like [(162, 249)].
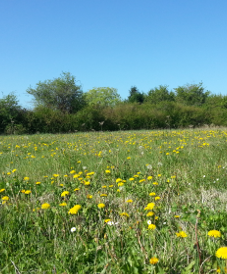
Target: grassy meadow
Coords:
[(114, 202)]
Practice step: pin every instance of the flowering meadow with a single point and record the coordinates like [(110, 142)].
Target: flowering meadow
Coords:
[(114, 202)]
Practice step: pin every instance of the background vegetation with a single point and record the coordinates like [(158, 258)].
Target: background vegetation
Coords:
[(61, 106)]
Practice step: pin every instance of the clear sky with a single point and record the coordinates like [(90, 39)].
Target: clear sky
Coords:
[(113, 43)]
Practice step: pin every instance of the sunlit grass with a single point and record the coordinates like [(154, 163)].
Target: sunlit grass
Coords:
[(122, 202)]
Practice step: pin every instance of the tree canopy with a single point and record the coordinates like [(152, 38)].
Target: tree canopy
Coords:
[(102, 96), (135, 95), (62, 93), (159, 94)]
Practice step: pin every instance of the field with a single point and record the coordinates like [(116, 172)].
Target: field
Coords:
[(114, 202)]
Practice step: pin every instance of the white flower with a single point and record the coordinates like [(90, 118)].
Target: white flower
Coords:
[(73, 229), (149, 222), (112, 223), (84, 167), (204, 176), (217, 179), (164, 223), (140, 147), (159, 164), (149, 166)]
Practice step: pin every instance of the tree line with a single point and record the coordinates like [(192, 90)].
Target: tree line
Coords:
[(61, 106)]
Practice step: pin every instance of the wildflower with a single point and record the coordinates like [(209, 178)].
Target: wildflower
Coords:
[(27, 191), (131, 179), (150, 213), (55, 175), (157, 198), (118, 180), (149, 206), (142, 180), (159, 175), (120, 184), (1, 190), (110, 185), (101, 205), (108, 171), (38, 183), (154, 260), (124, 214), (73, 229), (8, 173), (152, 227), (149, 222), (155, 183), (149, 166), (103, 186), (149, 177), (87, 183), (14, 170), (22, 191), (76, 189), (26, 178), (5, 198), (103, 195), (72, 171), (214, 233), (89, 196), (222, 252), (107, 220), (45, 206), (64, 193), (156, 218), (75, 209), (128, 158), (118, 190), (177, 216), (78, 162), (152, 194), (219, 270), (63, 204), (181, 234), (129, 201), (61, 185)]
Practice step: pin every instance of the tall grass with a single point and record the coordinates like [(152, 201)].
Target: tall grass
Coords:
[(180, 173)]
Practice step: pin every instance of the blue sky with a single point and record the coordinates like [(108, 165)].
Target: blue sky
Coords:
[(113, 43)]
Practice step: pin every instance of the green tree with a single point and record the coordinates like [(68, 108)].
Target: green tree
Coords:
[(135, 95), (61, 94), (103, 96), (159, 94), (192, 94), (9, 111)]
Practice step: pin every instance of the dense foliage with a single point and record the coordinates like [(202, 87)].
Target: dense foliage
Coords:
[(61, 106)]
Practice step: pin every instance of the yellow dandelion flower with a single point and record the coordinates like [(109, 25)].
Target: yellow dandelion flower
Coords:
[(156, 218), (152, 227), (107, 220), (149, 177), (63, 204), (38, 183), (64, 193), (157, 198), (222, 252), (14, 170), (101, 205), (5, 198), (152, 194), (120, 184), (177, 216), (78, 162), (124, 214), (155, 183), (76, 189), (87, 183), (181, 234), (129, 201), (108, 171), (118, 180), (45, 206), (131, 179), (56, 175), (8, 173), (103, 195), (1, 190), (110, 185), (27, 192), (142, 180), (118, 190), (61, 185), (128, 158), (214, 233), (89, 196), (22, 191), (26, 178), (150, 213), (154, 260), (75, 209), (72, 171), (149, 206)]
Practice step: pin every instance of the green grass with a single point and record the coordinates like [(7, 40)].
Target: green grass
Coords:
[(186, 169)]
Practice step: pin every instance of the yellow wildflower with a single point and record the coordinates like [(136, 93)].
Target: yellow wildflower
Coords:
[(181, 234), (75, 209), (45, 206), (101, 205), (154, 260), (214, 233)]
